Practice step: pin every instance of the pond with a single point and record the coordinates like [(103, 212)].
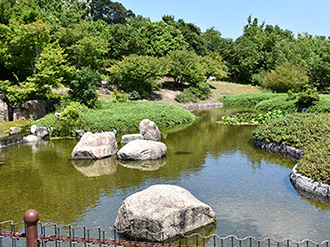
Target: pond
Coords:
[(249, 189)]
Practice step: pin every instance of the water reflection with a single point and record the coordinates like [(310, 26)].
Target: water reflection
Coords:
[(96, 168), (144, 165)]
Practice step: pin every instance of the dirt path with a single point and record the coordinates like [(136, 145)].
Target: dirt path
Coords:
[(167, 94)]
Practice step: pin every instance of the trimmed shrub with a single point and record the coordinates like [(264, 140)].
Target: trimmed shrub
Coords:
[(310, 132), (194, 94), (247, 100), (285, 77), (124, 117)]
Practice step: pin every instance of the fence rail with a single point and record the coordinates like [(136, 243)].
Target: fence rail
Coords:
[(59, 235)]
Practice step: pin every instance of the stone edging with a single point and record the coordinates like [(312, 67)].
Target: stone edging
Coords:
[(281, 149), (202, 106), (314, 189), (304, 185)]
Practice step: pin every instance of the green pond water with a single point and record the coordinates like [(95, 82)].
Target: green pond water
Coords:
[(249, 189)]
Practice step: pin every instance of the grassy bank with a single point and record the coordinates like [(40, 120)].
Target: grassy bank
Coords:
[(116, 116), (309, 132), (274, 101)]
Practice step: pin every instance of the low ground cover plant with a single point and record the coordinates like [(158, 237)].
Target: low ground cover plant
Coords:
[(114, 116), (307, 131), (251, 118), (292, 102)]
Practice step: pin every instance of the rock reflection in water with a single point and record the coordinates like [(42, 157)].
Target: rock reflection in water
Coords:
[(144, 165), (96, 168)]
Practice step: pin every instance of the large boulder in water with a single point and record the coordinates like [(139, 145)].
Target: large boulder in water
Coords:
[(149, 130), (142, 150), (95, 146), (166, 209)]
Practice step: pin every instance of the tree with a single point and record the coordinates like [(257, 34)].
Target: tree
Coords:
[(186, 66), (85, 43), (143, 37), (83, 87), (110, 12), (252, 52), (20, 48), (138, 75), (309, 52)]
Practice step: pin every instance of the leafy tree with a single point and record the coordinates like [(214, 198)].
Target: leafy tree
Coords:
[(285, 77), (143, 37), (309, 52), (110, 12), (252, 52), (62, 13), (85, 43), (138, 75), (186, 66), (191, 33), (83, 87), (20, 48)]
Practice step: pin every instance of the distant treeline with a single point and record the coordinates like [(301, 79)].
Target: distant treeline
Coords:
[(46, 44)]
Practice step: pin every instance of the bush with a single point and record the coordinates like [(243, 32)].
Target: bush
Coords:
[(285, 77), (83, 87), (138, 75), (247, 100), (119, 96), (278, 103), (122, 117), (186, 66), (194, 94), (309, 132)]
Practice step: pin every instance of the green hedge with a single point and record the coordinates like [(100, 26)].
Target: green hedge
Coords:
[(308, 131), (274, 101), (247, 100)]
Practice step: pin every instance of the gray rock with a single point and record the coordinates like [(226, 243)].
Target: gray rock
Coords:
[(149, 130), (15, 129), (42, 132), (36, 108), (95, 146), (130, 137), (4, 109), (162, 208), (80, 133), (144, 165), (33, 129), (303, 183), (30, 138), (142, 150), (281, 149), (96, 168), (57, 115)]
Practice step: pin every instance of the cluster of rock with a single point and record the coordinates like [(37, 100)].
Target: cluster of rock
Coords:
[(143, 146), (36, 108), (162, 212), (37, 133)]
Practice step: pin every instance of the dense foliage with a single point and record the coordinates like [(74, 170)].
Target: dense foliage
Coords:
[(306, 100), (309, 132), (43, 45), (114, 116)]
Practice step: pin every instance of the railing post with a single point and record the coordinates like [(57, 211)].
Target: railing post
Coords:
[(31, 218)]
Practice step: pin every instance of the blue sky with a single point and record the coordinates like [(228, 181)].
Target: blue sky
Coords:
[(230, 16)]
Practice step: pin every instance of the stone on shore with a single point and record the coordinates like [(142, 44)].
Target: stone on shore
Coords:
[(162, 208), (95, 146), (142, 150), (149, 130)]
